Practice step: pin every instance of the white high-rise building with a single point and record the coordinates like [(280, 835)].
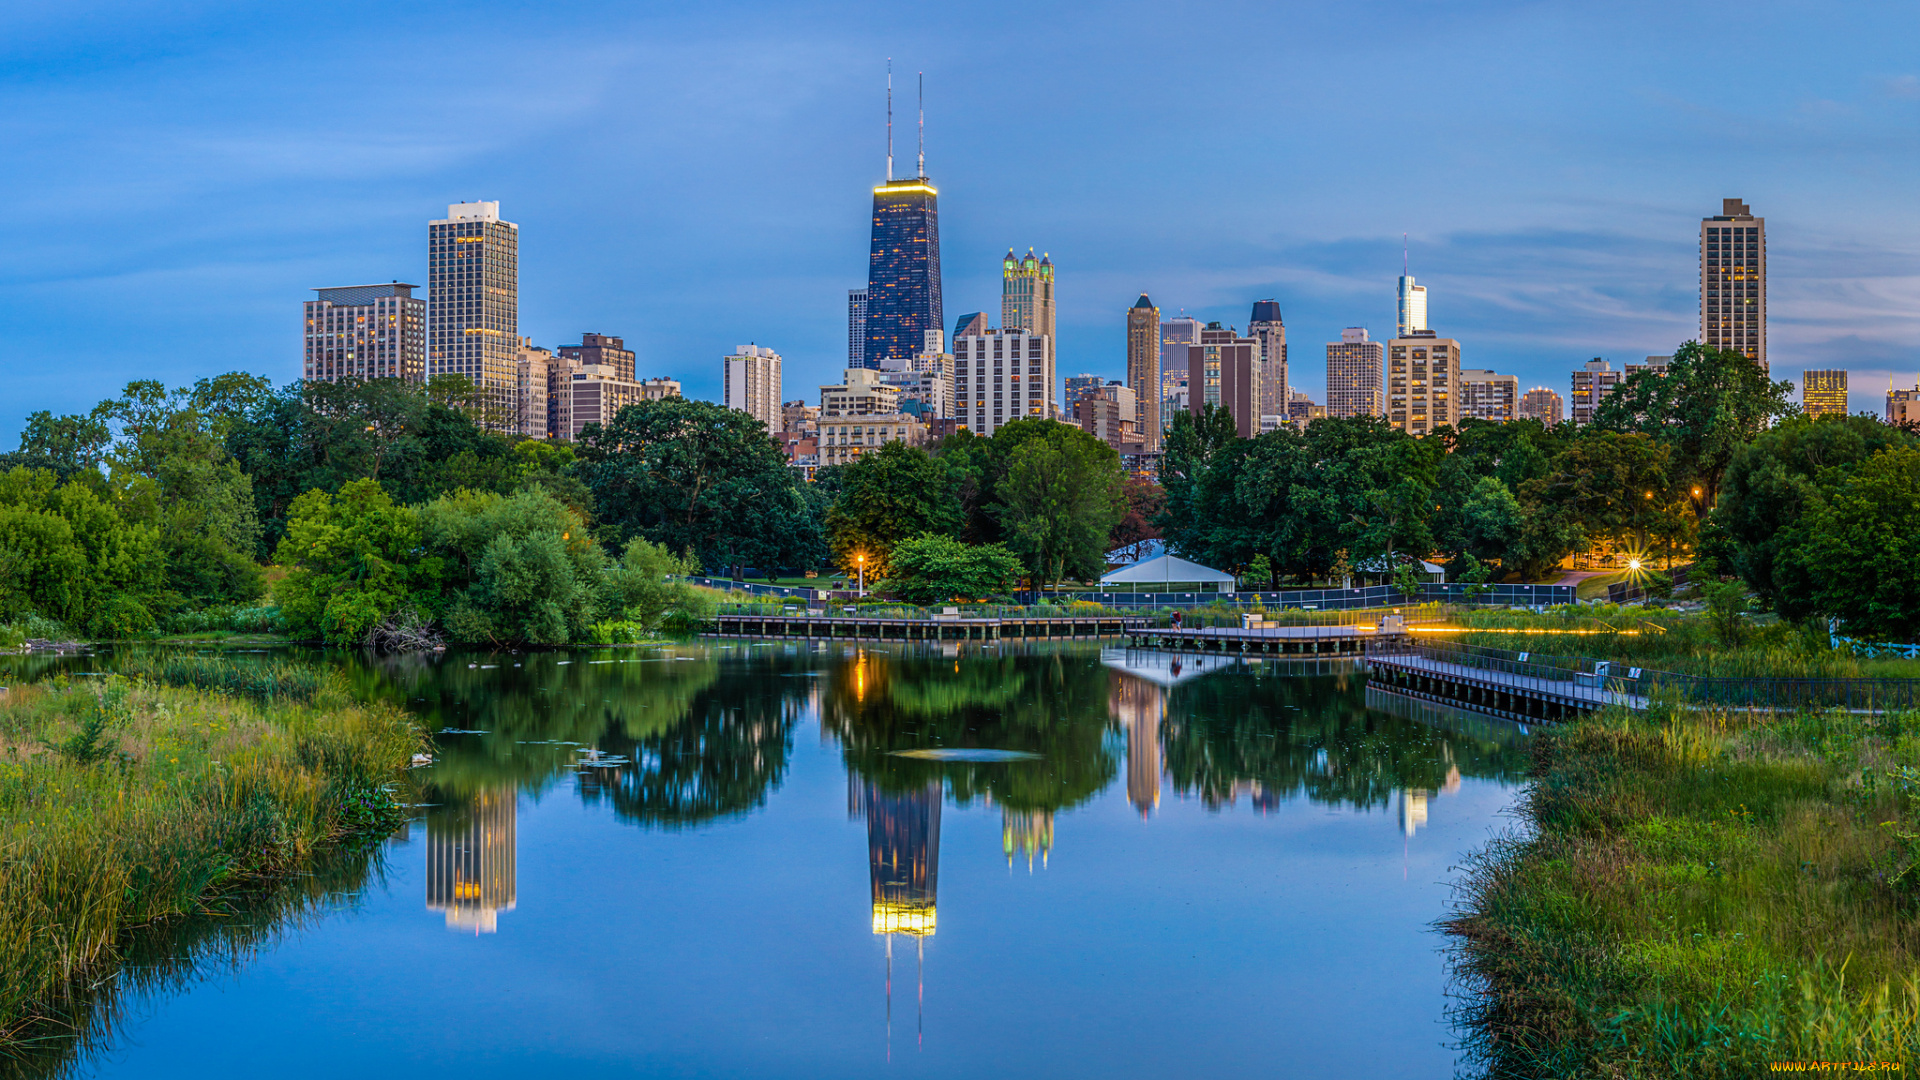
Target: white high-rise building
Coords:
[(1413, 307), (1354, 370), (753, 383), (856, 328), (1000, 376), (533, 372), (473, 304)]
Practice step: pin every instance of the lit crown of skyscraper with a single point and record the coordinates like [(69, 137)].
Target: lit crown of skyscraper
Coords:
[(903, 267)]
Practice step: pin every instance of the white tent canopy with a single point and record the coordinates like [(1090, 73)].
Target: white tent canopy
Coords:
[(1162, 573)]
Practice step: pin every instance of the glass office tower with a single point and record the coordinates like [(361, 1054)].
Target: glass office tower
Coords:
[(903, 270)]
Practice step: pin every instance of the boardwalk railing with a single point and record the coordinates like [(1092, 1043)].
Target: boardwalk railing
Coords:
[(1529, 672)]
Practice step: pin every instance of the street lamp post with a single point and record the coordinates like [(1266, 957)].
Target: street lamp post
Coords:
[(860, 562)]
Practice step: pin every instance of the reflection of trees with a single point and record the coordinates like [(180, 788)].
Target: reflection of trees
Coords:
[(168, 957), (1314, 736), (705, 735), (1049, 702), (722, 758)]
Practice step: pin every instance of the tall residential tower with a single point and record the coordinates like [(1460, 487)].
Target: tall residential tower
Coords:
[(1267, 328), (1026, 293), (1143, 369), (473, 303), (1733, 281), (1354, 367)]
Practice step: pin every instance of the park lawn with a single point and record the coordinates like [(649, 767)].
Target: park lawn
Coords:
[(1700, 894), (126, 804)]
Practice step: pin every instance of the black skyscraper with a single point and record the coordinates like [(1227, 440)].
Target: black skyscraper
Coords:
[(903, 269)]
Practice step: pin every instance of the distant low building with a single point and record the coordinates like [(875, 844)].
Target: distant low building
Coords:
[(1543, 405), (1108, 413), (1489, 395), (1591, 384), (844, 438), (1903, 406), (1301, 410), (752, 383), (1823, 393), (366, 332)]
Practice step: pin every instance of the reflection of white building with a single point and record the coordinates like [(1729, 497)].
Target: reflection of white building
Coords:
[(470, 861), (1413, 809), (1138, 705)]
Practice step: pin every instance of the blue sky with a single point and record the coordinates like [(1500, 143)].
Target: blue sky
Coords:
[(696, 176)]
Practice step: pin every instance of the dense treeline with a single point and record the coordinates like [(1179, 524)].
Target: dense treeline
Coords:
[(389, 510)]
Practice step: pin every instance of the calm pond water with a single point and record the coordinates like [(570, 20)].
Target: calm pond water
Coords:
[(812, 860)]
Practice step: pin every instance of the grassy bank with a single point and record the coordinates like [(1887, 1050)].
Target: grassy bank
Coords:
[(1689, 643), (126, 805), (1701, 894)]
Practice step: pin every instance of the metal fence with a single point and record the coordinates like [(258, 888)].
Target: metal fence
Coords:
[(1372, 596), (1554, 674)]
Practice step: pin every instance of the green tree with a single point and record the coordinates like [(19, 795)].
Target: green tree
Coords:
[(1706, 405), (1770, 486), (888, 496), (321, 435), (1615, 485), (1855, 553), (643, 586), (1062, 495), (703, 478), (352, 562), (1260, 571), (67, 554), (514, 569), (930, 568)]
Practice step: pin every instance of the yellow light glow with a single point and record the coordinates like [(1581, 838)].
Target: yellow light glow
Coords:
[(1513, 630), (1633, 565), (888, 189), (892, 917)]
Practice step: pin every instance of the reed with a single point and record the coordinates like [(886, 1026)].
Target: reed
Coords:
[(260, 679), (125, 804), (1699, 894)]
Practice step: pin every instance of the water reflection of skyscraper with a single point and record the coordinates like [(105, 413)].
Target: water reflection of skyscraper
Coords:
[(1026, 832), (903, 856), (470, 860), (1413, 801), (903, 864), (1138, 706)]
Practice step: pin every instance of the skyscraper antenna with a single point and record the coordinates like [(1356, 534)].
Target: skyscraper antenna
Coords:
[(923, 125), (1403, 255), (889, 119)]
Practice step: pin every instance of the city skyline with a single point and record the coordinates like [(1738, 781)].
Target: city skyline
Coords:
[(1577, 240)]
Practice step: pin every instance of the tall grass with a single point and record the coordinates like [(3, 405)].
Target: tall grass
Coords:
[(1700, 895), (1673, 641), (125, 804), (260, 679)]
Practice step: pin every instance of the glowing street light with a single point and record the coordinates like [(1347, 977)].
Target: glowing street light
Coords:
[(860, 561)]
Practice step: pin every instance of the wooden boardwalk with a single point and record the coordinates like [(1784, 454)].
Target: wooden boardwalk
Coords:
[(1356, 640), (1514, 694), (858, 627)]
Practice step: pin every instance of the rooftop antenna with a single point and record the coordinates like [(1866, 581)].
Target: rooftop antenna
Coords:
[(889, 119), (923, 125), (1403, 255)]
